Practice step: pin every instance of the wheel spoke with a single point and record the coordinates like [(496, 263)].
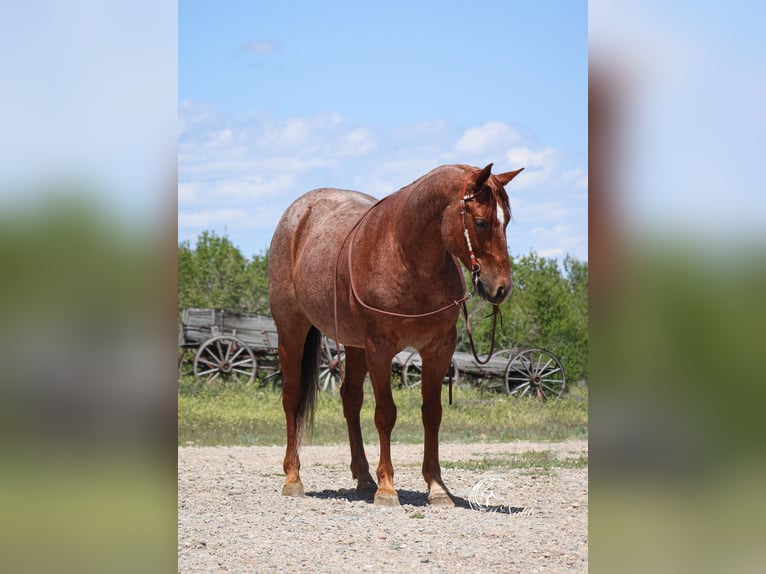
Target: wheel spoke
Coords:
[(554, 391), (519, 388), (551, 372), (203, 373), (228, 346), (211, 351), (208, 362), (526, 368), (239, 351), (245, 361), (545, 366)]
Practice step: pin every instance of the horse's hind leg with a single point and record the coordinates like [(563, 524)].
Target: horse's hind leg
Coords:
[(352, 392), (291, 342)]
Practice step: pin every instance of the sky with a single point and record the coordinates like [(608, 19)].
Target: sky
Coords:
[(692, 84), (85, 103), (278, 98)]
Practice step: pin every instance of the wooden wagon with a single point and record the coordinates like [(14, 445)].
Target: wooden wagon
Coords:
[(521, 372), (231, 346)]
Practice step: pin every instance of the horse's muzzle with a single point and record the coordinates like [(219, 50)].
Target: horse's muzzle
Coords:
[(495, 294)]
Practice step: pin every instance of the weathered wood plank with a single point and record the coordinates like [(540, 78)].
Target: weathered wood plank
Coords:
[(199, 325)]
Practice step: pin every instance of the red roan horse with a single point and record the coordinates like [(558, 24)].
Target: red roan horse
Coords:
[(379, 277)]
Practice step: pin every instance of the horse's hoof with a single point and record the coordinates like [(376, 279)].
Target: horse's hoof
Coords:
[(366, 489), (293, 489), (441, 499), (386, 498)]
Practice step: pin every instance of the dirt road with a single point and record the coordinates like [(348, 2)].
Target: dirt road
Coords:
[(232, 518)]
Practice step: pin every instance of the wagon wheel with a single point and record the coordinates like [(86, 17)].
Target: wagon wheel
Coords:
[(184, 364), (412, 371), (329, 373), (225, 358), (535, 372)]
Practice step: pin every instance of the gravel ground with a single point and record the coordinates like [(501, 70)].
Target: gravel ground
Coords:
[(232, 517)]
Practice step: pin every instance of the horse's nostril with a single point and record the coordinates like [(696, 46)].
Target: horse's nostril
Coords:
[(500, 292)]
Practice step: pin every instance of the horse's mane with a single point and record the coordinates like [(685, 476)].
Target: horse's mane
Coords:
[(500, 196)]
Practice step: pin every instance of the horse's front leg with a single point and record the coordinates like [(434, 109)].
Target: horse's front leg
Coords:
[(379, 365), (436, 361)]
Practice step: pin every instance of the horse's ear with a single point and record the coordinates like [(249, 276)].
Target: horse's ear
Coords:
[(482, 178), (505, 178)]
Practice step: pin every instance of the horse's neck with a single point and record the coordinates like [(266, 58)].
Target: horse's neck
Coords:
[(402, 237), (418, 227)]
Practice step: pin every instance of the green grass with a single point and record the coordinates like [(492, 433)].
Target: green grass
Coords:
[(253, 415), (538, 461)]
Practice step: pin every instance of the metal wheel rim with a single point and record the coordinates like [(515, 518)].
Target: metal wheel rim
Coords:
[(411, 373), (536, 373), (329, 373), (225, 358), (455, 374)]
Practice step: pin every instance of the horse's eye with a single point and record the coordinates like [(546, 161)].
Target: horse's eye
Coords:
[(480, 223)]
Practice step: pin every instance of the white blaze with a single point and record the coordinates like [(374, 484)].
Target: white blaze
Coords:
[(500, 215)]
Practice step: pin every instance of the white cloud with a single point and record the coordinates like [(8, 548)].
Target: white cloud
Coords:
[(220, 138), (251, 187), (233, 191), (487, 138), (420, 130), (187, 192), (551, 252), (261, 47), (360, 141), (576, 178), (539, 165), (243, 171), (295, 133), (210, 218)]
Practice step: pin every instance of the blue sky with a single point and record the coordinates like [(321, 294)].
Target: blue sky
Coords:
[(276, 99)]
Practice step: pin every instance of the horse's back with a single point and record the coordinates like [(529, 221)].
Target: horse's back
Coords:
[(319, 216)]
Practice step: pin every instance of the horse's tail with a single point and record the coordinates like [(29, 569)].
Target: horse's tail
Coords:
[(309, 380)]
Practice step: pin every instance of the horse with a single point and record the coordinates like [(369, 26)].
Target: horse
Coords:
[(379, 276)]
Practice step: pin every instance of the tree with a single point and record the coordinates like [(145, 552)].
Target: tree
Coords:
[(547, 308), (256, 296), (214, 274)]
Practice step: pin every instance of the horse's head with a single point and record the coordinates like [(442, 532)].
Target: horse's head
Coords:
[(473, 229)]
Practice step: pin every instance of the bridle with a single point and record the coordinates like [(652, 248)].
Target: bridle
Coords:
[(460, 303), (475, 267)]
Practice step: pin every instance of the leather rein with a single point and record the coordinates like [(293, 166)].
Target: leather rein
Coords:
[(460, 303)]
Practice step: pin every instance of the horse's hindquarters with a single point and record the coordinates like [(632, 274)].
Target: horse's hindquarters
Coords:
[(303, 256)]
